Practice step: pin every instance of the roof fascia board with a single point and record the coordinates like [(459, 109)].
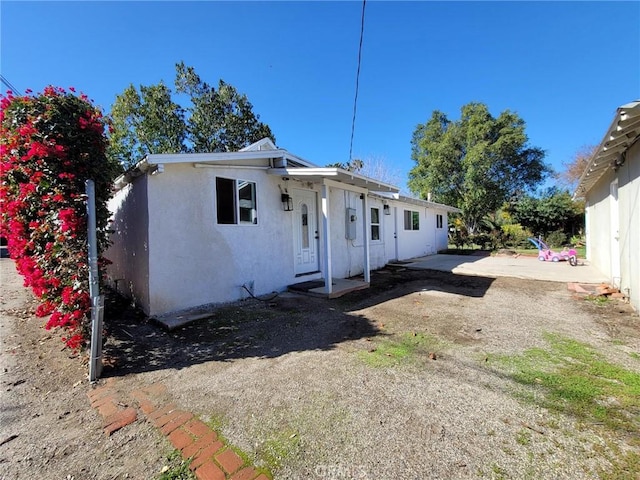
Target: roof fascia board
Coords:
[(344, 186), (214, 157), (416, 201), (426, 203)]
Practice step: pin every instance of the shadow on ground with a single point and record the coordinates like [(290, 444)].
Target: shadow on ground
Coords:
[(253, 328)]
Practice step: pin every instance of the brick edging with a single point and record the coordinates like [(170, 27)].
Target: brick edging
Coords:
[(211, 458)]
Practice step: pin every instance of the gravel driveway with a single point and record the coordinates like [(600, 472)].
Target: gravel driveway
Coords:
[(394, 382)]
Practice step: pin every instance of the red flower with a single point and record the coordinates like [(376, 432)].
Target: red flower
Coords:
[(37, 150)]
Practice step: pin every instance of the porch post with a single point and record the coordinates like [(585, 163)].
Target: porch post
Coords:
[(365, 236), (328, 284)]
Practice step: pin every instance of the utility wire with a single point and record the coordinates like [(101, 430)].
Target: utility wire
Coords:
[(355, 100), (9, 85)]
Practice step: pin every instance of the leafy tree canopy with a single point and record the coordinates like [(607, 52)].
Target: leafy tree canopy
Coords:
[(148, 120), (220, 120), (145, 122), (475, 163), (554, 210)]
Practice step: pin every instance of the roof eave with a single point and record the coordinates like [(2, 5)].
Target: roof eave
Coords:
[(623, 132)]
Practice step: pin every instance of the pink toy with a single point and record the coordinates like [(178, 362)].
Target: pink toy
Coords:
[(545, 254)]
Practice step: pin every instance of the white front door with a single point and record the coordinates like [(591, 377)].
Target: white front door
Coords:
[(305, 231)]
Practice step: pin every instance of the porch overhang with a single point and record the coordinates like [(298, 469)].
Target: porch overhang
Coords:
[(321, 175), (328, 177)]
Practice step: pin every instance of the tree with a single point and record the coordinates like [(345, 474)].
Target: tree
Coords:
[(553, 211), (145, 122), (475, 163), (220, 120), (50, 143), (354, 165), (372, 167), (150, 121), (574, 168)]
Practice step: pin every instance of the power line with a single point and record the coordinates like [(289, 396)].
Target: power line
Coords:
[(9, 85), (355, 100)]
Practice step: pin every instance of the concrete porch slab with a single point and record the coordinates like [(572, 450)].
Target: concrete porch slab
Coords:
[(340, 287)]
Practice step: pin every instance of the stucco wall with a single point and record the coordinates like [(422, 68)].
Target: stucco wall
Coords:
[(194, 260), (175, 255), (415, 243), (129, 272), (347, 255), (598, 218), (599, 224), (629, 198)]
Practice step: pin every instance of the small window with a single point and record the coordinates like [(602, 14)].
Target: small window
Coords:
[(438, 221), (236, 201), (411, 220), (375, 224)]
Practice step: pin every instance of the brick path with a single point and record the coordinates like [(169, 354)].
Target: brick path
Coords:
[(211, 458)]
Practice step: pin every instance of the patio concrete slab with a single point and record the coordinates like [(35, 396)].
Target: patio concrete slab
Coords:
[(509, 266)]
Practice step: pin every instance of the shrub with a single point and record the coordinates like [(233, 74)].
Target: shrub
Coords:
[(515, 235), (556, 239), (50, 143)]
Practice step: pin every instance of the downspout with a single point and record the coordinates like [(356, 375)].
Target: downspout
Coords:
[(328, 284)]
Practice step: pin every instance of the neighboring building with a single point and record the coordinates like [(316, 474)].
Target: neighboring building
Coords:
[(196, 229), (610, 186)]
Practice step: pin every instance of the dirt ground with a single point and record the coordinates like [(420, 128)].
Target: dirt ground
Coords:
[(300, 386)]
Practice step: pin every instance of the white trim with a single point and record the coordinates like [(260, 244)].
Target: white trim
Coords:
[(214, 157), (235, 167), (344, 186)]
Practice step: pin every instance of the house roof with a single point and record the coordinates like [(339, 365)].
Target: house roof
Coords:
[(277, 161), (610, 154), (261, 150)]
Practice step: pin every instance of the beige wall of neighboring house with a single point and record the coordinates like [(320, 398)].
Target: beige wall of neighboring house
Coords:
[(610, 187)]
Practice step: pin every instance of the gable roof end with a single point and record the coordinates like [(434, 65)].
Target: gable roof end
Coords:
[(610, 154), (264, 144)]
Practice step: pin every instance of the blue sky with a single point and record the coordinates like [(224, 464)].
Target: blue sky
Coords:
[(564, 67)]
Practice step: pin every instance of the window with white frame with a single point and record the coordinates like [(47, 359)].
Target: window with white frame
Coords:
[(438, 221), (236, 201), (411, 220), (375, 224)]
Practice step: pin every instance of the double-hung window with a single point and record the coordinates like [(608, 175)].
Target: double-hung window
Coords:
[(411, 220), (236, 201)]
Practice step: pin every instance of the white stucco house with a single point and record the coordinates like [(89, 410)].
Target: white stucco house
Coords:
[(610, 186), (198, 229)]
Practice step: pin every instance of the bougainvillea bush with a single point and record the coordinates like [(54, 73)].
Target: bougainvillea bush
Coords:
[(50, 143)]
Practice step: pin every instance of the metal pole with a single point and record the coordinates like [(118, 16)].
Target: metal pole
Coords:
[(97, 301)]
